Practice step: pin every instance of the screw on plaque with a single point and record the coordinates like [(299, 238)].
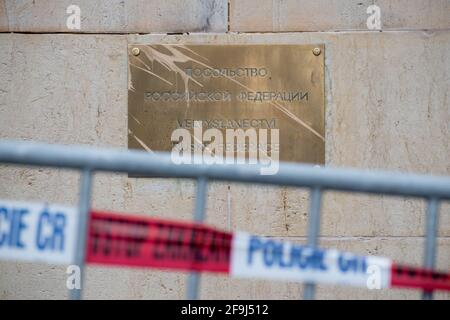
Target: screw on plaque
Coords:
[(135, 51), (316, 51)]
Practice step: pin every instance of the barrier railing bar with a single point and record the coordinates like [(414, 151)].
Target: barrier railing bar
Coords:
[(90, 159), (313, 232), (193, 284), (160, 164), (430, 240), (83, 218)]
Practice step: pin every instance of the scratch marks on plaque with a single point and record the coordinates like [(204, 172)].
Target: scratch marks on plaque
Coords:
[(171, 56), (135, 119), (148, 70), (130, 81), (171, 60), (143, 145)]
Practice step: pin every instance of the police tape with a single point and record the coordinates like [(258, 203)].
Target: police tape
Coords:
[(148, 242), (47, 233), (126, 240), (37, 232)]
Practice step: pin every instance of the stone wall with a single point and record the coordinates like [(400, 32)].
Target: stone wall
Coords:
[(387, 107)]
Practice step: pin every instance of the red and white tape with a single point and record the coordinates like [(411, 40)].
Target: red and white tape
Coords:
[(148, 242), (47, 233)]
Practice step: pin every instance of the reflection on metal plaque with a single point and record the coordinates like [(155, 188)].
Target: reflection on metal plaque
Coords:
[(228, 87)]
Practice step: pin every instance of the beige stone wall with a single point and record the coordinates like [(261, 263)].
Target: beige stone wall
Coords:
[(387, 106)]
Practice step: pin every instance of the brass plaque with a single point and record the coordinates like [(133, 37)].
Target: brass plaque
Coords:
[(228, 87)]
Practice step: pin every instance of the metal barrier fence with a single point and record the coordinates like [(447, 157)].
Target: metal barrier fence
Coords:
[(89, 159)]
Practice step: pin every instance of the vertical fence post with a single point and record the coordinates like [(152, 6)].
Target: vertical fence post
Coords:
[(430, 241), (199, 216), (83, 219), (313, 232)]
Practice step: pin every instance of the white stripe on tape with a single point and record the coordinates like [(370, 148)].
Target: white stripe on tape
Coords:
[(37, 232), (267, 258)]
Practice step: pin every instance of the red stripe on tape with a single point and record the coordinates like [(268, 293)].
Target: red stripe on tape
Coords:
[(117, 239), (408, 277), (148, 242)]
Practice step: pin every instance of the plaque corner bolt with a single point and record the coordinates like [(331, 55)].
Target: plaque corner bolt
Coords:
[(317, 51), (135, 51)]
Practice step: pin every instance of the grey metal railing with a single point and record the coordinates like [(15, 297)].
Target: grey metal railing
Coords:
[(90, 159)]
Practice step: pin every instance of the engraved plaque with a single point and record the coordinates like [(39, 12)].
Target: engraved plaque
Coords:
[(228, 87)]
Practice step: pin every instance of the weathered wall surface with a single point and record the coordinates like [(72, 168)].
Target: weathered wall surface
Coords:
[(116, 16), (336, 15), (387, 106)]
